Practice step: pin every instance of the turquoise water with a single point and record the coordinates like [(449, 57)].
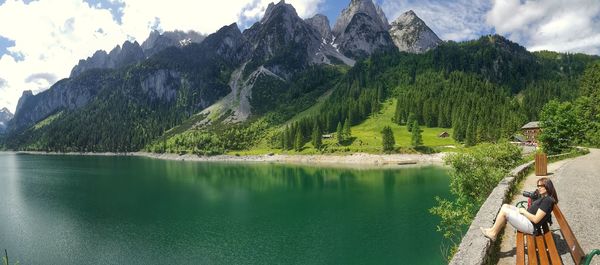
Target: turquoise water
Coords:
[(131, 210)]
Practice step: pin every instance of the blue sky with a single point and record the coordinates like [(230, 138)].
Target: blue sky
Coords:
[(53, 35)]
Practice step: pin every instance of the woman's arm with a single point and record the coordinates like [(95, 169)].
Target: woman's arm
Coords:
[(539, 215)]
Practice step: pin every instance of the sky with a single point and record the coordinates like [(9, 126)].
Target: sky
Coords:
[(41, 41)]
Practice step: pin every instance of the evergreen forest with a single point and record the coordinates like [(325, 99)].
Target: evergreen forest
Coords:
[(482, 91)]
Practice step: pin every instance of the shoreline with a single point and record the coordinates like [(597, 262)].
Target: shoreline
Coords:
[(352, 160)]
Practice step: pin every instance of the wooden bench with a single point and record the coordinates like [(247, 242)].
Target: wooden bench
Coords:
[(541, 249)]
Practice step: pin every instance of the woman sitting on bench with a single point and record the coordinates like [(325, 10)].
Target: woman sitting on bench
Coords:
[(528, 220)]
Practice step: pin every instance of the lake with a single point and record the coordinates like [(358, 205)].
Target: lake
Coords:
[(58, 209)]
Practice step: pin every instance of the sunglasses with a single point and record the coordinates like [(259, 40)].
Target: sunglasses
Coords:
[(541, 186)]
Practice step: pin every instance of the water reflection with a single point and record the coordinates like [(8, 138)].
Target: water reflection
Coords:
[(217, 213)]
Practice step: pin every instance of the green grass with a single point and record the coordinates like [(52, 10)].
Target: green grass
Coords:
[(367, 137), (47, 121), (369, 132), (185, 125), (310, 111)]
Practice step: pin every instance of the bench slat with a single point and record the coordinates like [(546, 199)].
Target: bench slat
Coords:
[(554, 257), (531, 253), (520, 249), (541, 248), (574, 247)]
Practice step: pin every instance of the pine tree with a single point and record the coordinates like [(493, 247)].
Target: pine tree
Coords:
[(398, 112), (299, 140), (316, 137), (410, 121), (346, 130), (471, 137), (339, 133), (416, 138), (388, 140), (286, 137)]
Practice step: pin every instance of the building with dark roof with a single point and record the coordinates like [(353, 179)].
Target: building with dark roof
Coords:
[(531, 131)]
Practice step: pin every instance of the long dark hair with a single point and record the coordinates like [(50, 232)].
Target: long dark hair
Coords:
[(549, 188)]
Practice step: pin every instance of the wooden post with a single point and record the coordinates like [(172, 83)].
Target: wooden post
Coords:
[(6, 255), (541, 164)]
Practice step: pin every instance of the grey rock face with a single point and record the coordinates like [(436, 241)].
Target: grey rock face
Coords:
[(157, 41), (282, 42), (65, 94), (228, 43), (132, 52), (24, 97), (162, 84), (360, 6), (321, 24), (118, 57), (362, 37), (5, 116), (361, 29), (411, 34), (281, 30)]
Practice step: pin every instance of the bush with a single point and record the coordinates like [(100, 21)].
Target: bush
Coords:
[(473, 177)]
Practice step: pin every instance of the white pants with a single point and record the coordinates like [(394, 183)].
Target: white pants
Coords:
[(518, 221)]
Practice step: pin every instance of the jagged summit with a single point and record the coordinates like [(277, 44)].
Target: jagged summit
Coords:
[(411, 34), (5, 110), (129, 53), (281, 7), (229, 43), (158, 41), (321, 24), (133, 52), (362, 29), (360, 6), (5, 116)]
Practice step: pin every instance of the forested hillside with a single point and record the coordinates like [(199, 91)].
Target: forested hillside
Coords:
[(484, 90)]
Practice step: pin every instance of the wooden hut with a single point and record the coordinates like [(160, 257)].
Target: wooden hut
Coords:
[(444, 135), (531, 131)]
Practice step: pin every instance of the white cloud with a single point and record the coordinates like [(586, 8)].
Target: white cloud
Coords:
[(199, 16), (556, 25), (51, 36)]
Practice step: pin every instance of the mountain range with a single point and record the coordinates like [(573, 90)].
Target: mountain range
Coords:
[(280, 35), (136, 95), (5, 116)]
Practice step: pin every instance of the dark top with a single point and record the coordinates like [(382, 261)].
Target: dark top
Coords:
[(545, 204)]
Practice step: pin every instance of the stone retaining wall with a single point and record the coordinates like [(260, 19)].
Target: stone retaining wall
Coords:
[(474, 248)]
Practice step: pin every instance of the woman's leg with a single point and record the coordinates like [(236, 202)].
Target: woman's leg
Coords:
[(500, 222)]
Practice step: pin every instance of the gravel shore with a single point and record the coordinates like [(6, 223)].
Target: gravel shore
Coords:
[(356, 159)]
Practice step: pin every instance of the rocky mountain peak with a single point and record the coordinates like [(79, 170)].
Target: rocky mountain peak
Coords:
[(26, 94), (280, 8), (321, 24), (131, 52), (360, 6), (411, 34), (119, 56), (158, 41), (229, 43), (362, 29), (5, 116)]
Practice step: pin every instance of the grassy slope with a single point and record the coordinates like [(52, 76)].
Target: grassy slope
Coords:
[(367, 137)]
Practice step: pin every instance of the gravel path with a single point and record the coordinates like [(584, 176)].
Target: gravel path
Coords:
[(577, 183)]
